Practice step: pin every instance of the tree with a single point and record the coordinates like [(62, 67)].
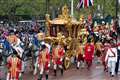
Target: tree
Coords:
[(38, 7)]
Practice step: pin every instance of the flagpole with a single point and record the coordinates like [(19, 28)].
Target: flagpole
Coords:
[(72, 8), (116, 9)]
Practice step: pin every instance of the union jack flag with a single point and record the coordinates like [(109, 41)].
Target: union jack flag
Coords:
[(84, 3), (80, 4)]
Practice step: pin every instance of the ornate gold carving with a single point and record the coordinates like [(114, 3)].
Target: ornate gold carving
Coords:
[(65, 12), (81, 19), (48, 24)]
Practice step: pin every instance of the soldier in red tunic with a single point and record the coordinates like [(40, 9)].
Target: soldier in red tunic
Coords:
[(89, 54), (57, 57), (43, 62), (14, 65)]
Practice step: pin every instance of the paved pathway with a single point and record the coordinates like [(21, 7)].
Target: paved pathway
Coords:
[(96, 73)]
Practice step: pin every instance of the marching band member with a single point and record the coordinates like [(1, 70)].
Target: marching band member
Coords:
[(43, 62), (14, 65), (57, 58)]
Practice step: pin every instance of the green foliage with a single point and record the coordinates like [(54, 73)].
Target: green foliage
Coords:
[(38, 7)]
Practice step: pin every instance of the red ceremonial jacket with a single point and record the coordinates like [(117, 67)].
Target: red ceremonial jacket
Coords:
[(89, 51), (56, 57), (15, 66), (44, 58)]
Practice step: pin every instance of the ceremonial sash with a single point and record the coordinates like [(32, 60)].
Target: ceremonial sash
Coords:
[(13, 68), (56, 53), (112, 53), (43, 57)]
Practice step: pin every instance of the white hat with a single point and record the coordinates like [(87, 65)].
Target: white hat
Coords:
[(103, 22), (43, 43)]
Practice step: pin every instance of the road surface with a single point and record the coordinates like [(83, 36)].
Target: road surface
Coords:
[(96, 73)]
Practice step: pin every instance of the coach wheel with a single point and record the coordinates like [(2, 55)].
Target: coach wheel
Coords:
[(67, 63), (67, 59)]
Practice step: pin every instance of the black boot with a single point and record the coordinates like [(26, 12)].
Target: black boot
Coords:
[(77, 67), (62, 72), (40, 77), (55, 74), (46, 76)]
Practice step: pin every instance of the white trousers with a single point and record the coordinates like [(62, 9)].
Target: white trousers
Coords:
[(42, 70), (23, 66), (55, 66), (80, 63), (8, 76), (111, 66)]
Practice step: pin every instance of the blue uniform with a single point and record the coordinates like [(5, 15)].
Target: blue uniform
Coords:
[(7, 45), (5, 50), (35, 41)]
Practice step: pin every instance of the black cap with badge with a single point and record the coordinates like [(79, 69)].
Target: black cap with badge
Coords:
[(11, 32), (43, 47)]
